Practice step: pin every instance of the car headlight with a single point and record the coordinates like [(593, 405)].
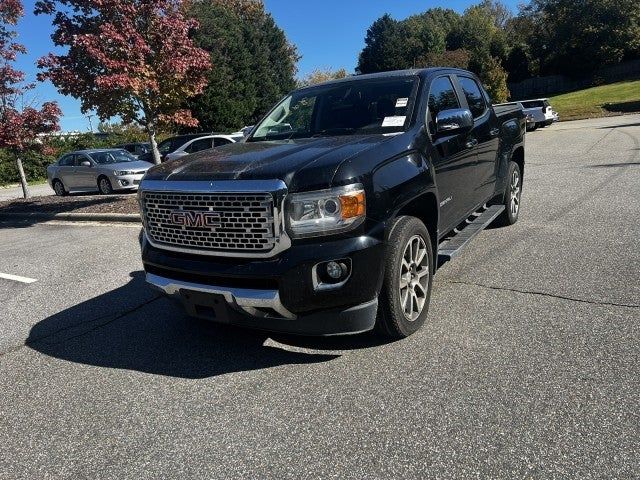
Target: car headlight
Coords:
[(123, 172), (325, 212)]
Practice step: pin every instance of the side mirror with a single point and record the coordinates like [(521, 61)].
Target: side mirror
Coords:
[(456, 120), (85, 163)]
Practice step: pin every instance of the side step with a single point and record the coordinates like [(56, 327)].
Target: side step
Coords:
[(453, 245)]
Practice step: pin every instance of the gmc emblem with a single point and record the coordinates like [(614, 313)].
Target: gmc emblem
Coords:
[(188, 218)]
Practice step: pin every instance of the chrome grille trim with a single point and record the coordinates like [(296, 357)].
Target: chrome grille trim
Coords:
[(258, 201)]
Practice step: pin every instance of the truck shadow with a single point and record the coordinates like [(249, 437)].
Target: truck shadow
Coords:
[(134, 328)]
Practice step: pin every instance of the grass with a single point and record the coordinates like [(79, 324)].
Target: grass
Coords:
[(602, 101)]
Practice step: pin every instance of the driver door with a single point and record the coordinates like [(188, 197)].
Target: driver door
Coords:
[(85, 176), (453, 156)]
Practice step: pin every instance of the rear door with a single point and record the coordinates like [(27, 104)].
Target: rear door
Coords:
[(486, 137), (453, 156)]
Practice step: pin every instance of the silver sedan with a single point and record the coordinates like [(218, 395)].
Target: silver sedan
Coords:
[(105, 170)]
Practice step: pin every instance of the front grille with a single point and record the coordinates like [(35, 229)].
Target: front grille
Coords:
[(240, 222)]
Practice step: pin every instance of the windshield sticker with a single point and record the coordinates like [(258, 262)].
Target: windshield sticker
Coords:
[(397, 121), (402, 102)]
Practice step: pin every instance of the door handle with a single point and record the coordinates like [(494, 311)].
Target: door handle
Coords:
[(471, 143), (494, 132)]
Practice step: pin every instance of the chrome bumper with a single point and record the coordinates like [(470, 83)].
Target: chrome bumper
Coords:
[(246, 299)]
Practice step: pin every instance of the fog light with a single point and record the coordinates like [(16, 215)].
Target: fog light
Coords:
[(124, 183), (334, 270)]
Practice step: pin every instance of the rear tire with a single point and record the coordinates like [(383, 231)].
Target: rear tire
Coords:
[(58, 187), (406, 291), (512, 196), (104, 186)]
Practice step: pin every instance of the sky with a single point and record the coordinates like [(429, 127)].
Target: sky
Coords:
[(328, 34)]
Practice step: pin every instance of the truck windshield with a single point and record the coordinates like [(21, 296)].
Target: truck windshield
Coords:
[(347, 108)]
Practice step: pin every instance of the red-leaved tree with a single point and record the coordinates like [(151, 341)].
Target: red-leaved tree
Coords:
[(20, 121), (127, 58)]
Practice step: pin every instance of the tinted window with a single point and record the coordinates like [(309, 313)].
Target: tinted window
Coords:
[(140, 149), (474, 96), (198, 145), (172, 144), (66, 161), (441, 97)]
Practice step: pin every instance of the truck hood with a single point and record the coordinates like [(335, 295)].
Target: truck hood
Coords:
[(302, 163)]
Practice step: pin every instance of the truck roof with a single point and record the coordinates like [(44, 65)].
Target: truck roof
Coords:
[(422, 72)]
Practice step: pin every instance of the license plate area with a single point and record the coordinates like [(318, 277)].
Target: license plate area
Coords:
[(205, 305)]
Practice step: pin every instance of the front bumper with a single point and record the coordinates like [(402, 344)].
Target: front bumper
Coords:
[(126, 182), (243, 308), (279, 293)]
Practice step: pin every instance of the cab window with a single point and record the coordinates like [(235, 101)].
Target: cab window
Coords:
[(441, 97), (474, 96)]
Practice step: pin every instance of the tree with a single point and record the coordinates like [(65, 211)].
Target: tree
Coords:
[(494, 78), (20, 121), (127, 58), (519, 63), (321, 76), (385, 47), (255, 63), (449, 58), (575, 41)]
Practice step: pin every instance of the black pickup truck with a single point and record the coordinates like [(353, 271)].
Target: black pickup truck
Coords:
[(334, 214)]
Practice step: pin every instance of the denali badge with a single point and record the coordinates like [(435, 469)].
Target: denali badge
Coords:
[(187, 218)]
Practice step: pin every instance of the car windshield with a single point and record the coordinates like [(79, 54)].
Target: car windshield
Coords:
[(112, 156), (346, 108)]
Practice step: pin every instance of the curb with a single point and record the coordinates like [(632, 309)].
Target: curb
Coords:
[(74, 217)]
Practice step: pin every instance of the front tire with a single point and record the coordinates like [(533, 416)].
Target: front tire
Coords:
[(104, 186), (512, 196), (406, 291)]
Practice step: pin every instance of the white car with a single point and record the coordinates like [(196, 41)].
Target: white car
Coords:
[(201, 143), (542, 113)]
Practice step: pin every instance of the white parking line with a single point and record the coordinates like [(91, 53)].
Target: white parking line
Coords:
[(17, 278)]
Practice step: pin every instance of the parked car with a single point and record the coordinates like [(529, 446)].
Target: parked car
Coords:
[(104, 170), (198, 144), (136, 149), (540, 110), (335, 213), (180, 142)]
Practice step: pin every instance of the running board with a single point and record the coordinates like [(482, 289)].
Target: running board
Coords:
[(453, 245)]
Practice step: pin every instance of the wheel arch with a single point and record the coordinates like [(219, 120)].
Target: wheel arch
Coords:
[(425, 208), (518, 157)]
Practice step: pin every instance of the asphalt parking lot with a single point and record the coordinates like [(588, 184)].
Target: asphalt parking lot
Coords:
[(528, 367)]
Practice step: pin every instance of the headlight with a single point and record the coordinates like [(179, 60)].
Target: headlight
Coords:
[(123, 172), (324, 212)]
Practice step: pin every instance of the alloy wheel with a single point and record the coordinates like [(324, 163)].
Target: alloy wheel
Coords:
[(414, 278), (514, 203), (58, 188), (105, 187)]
